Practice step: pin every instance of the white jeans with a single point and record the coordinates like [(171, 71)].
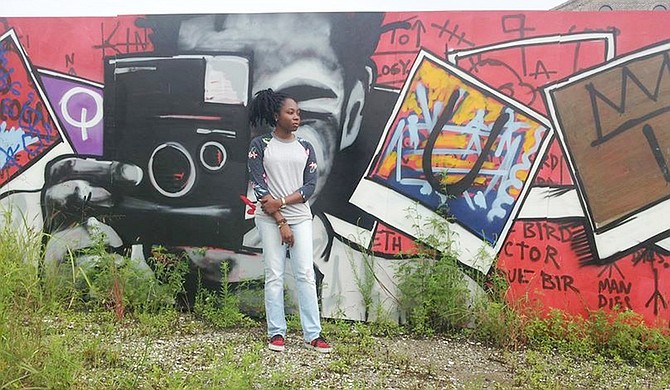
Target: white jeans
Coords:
[(274, 258)]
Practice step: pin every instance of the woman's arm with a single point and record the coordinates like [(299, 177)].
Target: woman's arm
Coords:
[(309, 174), (256, 170), (284, 229), (270, 205)]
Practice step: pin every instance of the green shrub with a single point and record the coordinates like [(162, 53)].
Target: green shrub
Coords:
[(618, 336), (433, 292), (434, 295), (99, 280), (222, 308), (170, 271), (435, 299)]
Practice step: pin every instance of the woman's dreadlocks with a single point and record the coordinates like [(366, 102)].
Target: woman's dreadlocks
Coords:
[(265, 105)]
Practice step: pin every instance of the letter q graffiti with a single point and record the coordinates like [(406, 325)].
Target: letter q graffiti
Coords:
[(84, 122)]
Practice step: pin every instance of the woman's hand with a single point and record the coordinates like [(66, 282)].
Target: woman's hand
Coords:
[(270, 205), (286, 234)]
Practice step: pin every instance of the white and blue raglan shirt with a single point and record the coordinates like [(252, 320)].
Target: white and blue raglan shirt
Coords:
[(280, 168)]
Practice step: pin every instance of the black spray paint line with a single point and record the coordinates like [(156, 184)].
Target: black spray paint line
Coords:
[(656, 297), (626, 75), (648, 132), (610, 268), (460, 186)]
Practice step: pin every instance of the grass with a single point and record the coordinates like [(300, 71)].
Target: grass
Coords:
[(105, 324)]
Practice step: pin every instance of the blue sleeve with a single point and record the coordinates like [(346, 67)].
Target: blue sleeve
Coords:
[(309, 174), (255, 166)]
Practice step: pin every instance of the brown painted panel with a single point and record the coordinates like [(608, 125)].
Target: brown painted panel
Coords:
[(620, 165)]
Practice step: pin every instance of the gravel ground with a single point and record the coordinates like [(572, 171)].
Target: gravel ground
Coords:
[(399, 363), (359, 361)]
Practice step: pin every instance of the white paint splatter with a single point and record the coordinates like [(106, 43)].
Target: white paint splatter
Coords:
[(13, 141)]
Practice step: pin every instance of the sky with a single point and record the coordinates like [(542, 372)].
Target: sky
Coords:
[(121, 7)]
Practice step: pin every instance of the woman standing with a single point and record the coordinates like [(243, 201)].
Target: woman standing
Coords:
[(282, 169)]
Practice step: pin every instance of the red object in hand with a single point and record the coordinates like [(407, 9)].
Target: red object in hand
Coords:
[(249, 203)]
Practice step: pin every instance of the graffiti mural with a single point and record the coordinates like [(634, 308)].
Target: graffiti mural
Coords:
[(457, 149), (537, 137), (79, 107), (27, 126), (615, 111)]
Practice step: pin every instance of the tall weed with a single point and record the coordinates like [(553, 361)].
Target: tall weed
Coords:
[(28, 357), (434, 294), (222, 308)]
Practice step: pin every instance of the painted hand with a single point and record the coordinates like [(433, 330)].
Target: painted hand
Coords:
[(77, 192)]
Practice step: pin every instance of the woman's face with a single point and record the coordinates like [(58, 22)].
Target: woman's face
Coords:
[(288, 118)]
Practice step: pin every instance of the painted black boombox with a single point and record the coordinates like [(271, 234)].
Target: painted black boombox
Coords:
[(184, 121)]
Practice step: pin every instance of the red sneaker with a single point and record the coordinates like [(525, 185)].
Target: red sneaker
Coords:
[(276, 343), (319, 345)]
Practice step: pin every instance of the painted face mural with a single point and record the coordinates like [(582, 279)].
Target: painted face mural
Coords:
[(290, 54), (535, 137), (301, 57)]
